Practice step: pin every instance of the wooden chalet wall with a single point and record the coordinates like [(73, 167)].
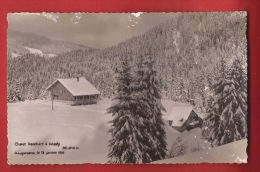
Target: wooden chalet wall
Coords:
[(192, 118), (59, 92), (86, 99)]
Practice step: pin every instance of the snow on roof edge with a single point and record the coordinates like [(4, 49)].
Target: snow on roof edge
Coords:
[(84, 83)]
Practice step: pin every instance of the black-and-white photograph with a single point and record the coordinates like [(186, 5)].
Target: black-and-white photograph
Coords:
[(127, 88)]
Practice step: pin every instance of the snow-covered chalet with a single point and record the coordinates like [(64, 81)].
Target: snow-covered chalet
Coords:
[(77, 90), (183, 117)]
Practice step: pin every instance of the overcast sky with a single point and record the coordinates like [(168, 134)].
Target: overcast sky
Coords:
[(97, 30)]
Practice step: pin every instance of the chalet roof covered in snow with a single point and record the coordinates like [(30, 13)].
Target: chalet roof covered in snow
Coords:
[(179, 114), (77, 87)]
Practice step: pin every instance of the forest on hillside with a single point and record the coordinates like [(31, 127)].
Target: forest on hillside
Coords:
[(187, 51)]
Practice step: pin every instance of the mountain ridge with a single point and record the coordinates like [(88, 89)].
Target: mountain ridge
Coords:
[(19, 42)]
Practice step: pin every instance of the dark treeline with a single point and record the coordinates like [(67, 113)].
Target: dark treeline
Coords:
[(187, 52)]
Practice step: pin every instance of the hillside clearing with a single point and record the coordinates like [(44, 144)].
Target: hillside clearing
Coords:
[(14, 55), (34, 51)]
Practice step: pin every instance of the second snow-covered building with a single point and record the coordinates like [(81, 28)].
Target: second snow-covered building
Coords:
[(183, 117)]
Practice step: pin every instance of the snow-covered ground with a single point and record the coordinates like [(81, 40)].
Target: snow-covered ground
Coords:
[(34, 51), (51, 55), (39, 52), (81, 126), (85, 127), (230, 153), (15, 55)]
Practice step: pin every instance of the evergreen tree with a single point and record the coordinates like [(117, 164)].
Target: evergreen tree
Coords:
[(139, 94), (17, 91), (155, 124), (126, 145), (147, 96), (44, 94), (8, 94), (30, 95), (228, 113), (211, 123)]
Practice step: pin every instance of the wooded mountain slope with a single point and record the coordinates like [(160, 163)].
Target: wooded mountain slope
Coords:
[(187, 50)]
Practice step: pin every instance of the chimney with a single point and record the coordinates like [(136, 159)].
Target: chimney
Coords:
[(192, 102), (78, 79)]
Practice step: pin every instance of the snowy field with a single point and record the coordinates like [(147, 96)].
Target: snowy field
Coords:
[(80, 126), (14, 55), (34, 51), (85, 127), (230, 153)]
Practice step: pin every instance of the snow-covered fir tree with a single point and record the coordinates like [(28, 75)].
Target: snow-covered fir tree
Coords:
[(30, 95), (44, 94), (8, 95), (227, 119), (211, 122), (146, 93), (138, 134), (214, 108), (155, 124), (127, 143), (17, 91)]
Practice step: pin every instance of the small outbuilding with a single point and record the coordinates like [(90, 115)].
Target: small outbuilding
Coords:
[(76, 90), (184, 117)]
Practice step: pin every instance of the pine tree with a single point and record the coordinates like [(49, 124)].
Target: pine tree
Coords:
[(155, 125), (30, 94), (228, 112), (234, 115), (8, 94), (211, 124), (17, 91), (147, 110), (43, 95), (139, 94), (126, 145)]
